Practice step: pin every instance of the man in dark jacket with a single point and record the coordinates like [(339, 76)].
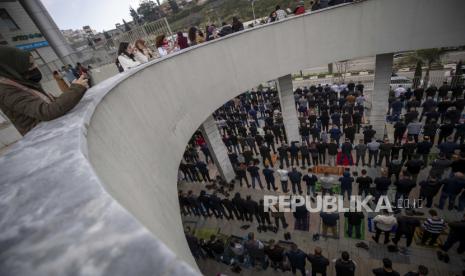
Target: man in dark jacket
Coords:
[(368, 134), (203, 169), (414, 166), (251, 208), (451, 189), (254, 174), (329, 220), (423, 149), (431, 129), (217, 207), (429, 189), (296, 177), (269, 177), (456, 234), (239, 205), (386, 270), (296, 258), (399, 129), (332, 152), (385, 152), (318, 261), (205, 203), (406, 226), (294, 150), (345, 266), (228, 205), (382, 184), (305, 153), (354, 220), (346, 184), (404, 187), (310, 180), (283, 154), (275, 254), (346, 152), (364, 182), (265, 153)]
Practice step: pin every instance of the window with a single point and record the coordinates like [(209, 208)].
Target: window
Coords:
[(7, 21)]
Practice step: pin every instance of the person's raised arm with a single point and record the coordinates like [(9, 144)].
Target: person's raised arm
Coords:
[(26, 103)]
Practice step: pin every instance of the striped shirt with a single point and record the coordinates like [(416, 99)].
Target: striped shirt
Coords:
[(434, 226)]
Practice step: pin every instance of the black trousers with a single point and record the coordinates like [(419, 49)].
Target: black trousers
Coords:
[(408, 236), (386, 235)]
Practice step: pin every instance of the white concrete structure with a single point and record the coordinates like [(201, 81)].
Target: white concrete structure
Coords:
[(39, 14), (288, 108), (129, 132), (218, 150), (380, 95)]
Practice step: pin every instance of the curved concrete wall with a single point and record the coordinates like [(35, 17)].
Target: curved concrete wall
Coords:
[(56, 217), (139, 131)]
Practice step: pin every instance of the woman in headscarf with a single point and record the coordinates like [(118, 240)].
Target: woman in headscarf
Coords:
[(182, 41), (163, 46), (237, 25), (195, 36), (22, 98)]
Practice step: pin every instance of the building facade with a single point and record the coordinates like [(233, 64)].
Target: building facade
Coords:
[(17, 29)]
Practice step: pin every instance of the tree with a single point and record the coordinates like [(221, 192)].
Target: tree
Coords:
[(417, 75), (106, 34), (174, 6), (149, 11), (126, 26), (135, 16), (428, 57)]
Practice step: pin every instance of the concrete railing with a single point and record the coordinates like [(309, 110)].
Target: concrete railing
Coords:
[(94, 192)]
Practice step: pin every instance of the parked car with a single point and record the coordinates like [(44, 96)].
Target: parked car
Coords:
[(400, 80)]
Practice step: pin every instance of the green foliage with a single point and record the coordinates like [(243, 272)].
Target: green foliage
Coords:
[(135, 16), (429, 56), (217, 11), (174, 6), (149, 11)]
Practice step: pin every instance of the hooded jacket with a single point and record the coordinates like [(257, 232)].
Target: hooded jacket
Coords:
[(23, 101)]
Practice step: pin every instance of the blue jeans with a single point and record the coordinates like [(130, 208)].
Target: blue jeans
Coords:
[(259, 181), (348, 190), (311, 190), (284, 185)]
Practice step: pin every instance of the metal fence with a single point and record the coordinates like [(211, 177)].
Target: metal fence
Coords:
[(105, 53), (148, 32)]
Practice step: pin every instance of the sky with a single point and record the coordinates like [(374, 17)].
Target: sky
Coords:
[(98, 14)]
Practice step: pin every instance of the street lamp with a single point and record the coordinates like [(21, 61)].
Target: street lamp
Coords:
[(253, 10)]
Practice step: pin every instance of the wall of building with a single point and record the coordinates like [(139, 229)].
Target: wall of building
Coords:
[(26, 27)]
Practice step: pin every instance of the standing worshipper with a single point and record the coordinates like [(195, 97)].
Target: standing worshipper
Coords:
[(297, 259)]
